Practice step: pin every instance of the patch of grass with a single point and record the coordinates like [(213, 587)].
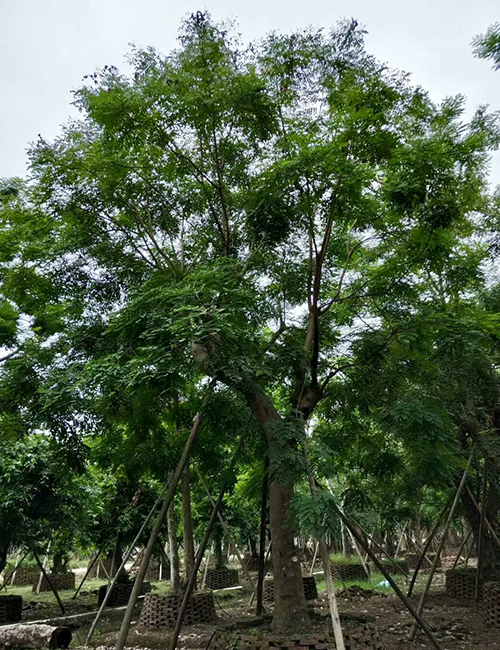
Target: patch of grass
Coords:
[(376, 583), (338, 558)]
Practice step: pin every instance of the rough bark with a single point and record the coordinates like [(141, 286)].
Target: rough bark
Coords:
[(187, 524), (35, 636), (490, 553), (290, 610), (173, 549)]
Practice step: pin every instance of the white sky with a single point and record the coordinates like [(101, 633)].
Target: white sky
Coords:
[(46, 46)]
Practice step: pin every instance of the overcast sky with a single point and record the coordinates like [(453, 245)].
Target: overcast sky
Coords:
[(46, 46)]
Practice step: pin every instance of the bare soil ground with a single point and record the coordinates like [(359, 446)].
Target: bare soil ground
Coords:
[(458, 625)]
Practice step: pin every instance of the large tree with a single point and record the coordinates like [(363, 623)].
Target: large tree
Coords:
[(236, 212)]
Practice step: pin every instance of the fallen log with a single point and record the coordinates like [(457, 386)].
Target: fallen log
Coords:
[(35, 636)]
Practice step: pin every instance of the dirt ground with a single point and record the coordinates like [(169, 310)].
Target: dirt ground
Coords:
[(457, 625)]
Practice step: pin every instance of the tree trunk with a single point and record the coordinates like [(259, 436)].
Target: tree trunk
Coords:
[(188, 525), (290, 610), (490, 553), (35, 636), (59, 564), (173, 549), (218, 555)]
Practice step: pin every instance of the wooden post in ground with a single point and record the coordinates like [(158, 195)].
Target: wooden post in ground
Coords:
[(486, 521), (423, 597), (466, 539), (357, 534), (45, 560), (325, 558), (206, 570), (480, 541), (262, 541), (49, 581), (254, 593), (427, 544), (363, 563), (12, 573), (237, 550), (314, 559), (148, 551), (201, 550), (89, 569)]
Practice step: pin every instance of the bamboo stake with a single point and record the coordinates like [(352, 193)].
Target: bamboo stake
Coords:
[(268, 553), (486, 521), (262, 539), (225, 527), (206, 570), (124, 561), (89, 569), (388, 577), (325, 558), (49, 581), (148, 551), (201, 550), (461, 549), (400, 540), (427, 544), (39, 583), (12, 573), (420, 608), (314, 559), (363, 564), (15, 569), (480, 541)]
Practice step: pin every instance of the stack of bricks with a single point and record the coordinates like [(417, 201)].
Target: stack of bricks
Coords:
[(491, 603), (414, 558), (11, 608), (120, 594), (360, 635), (153, 570), (161, 610), (310, 589), (347, 572), (221, 578), (401, 566), (252, 564), (101, 568), (59, 581), (461, 583), (26, 576)]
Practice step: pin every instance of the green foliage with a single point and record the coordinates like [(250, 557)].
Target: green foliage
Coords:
[(487, 45)]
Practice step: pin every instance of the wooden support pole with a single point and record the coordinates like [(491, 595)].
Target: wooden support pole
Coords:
[(49, 581), (359, 537), (254, 593), (262, 541), (486, 521), (206, 570), (427, 544), (314, 559), (325, 558), (363, 563), (461, 549), (89, 569), (148, 551), (238, 552), (201, 550), (12, 573), (45, 560), (449, 519), (480, 541)]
